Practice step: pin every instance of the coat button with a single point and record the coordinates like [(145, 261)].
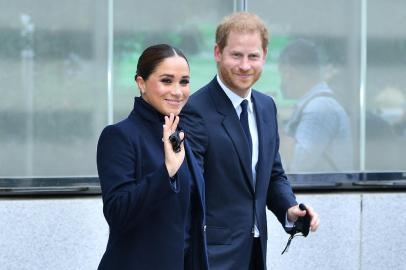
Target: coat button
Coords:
[(204, 228)]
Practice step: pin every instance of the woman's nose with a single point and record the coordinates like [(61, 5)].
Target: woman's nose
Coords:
[(176, 90)]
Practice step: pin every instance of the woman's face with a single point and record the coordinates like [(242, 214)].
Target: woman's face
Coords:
[(167, 88)]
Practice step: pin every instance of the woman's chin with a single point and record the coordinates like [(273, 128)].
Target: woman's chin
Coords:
[(174, 111)]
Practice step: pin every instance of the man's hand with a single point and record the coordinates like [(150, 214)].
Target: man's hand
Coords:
[(294, 213)]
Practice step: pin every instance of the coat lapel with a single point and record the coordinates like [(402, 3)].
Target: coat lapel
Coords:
[(232, 126)]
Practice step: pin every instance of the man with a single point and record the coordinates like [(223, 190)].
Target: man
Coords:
[(239, 152), (319, 126)]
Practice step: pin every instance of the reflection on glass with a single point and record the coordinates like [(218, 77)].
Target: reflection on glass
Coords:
[(400, 124), (53, 74), (187, 25), (383, 130), (385, 87), (27, 80), (318, 131)]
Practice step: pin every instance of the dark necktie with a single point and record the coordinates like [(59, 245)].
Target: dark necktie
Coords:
[(244, 123)]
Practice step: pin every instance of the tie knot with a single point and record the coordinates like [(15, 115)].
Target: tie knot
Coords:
[(244, 105)]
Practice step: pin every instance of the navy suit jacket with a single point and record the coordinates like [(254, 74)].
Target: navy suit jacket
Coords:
[(232, 201), (146, 213)]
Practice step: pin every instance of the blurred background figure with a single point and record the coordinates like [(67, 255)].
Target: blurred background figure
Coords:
[(319, 128), (383, 124)]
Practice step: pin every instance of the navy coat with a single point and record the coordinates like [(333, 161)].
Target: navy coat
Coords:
[(232, 202), (146, 213)]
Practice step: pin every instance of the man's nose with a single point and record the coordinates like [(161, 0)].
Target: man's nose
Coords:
[(245, 64)]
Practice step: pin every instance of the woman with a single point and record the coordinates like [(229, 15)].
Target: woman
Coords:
[(153, 196)]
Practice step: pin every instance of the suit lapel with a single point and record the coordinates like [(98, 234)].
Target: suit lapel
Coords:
[(263, 124), (232, 126)]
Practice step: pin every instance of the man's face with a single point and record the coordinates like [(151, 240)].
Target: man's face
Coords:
[(241, 61), (295, 82), (286, 80)]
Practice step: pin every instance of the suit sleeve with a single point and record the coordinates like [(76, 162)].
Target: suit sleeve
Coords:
[(280, 194), (193, 124), (127, 199)]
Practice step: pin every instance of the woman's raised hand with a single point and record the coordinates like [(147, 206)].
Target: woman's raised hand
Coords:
[(173, 160)]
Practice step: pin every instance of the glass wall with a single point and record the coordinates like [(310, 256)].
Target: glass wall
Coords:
[(386, 86), (188, 25), (53, 61), (313, 72), (62, 82), (335, 69)]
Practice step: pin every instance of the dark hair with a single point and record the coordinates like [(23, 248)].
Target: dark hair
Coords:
[(300, 52), (152, 56)]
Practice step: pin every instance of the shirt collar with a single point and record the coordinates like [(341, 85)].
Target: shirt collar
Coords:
[(234, 98)]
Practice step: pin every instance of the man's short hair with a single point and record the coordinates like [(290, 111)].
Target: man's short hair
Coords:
[(241, 22), (299, 53)]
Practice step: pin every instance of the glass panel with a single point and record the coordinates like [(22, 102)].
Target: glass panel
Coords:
[(386, 86), (312, 71), (188, 25), (53, 69), (53, 81)]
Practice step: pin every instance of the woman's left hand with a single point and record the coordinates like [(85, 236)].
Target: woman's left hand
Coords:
[(173, 160)]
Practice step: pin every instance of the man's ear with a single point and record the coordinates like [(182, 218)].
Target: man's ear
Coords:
[(265, 53), (217, 53)]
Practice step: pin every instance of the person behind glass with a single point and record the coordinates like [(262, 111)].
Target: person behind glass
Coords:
[(153, 197), (233, 132), (319, 126)]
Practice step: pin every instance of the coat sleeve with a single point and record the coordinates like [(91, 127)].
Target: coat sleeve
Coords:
[(193, 124), (127, 199), (280, 194)]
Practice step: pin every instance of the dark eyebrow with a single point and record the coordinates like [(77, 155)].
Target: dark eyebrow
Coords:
[(172, 76), (166, 75)]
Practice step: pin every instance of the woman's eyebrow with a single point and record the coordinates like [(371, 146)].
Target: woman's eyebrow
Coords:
[(166, 75)]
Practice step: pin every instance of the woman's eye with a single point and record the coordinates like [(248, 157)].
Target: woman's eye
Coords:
[(166, 81), (184, 82)]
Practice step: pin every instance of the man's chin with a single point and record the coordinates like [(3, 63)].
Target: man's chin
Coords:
[(244, 86), (246, 83)]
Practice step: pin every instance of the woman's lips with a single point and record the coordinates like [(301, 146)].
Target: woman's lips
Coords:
[(173, 102)]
